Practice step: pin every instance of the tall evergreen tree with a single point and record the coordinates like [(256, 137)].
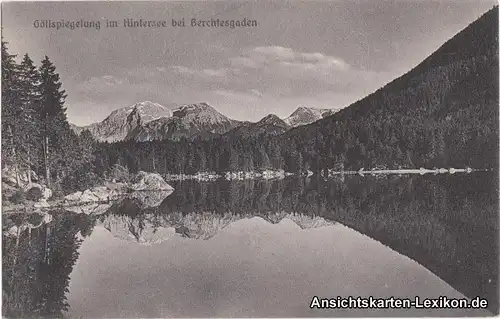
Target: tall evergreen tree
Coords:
[(10, 107), (52, 112), (29, 120)]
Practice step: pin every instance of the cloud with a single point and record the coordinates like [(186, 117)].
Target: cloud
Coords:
[(105, 80), (130, 85), (237, 95), (270, 70), (276, 56), (215, 72), (203, 74), (245, 62), (275, 52), (280, 72), (184, 70), (256, 93)]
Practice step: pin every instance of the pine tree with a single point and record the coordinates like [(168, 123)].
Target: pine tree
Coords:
[(10, 108), (52, 113), (29, 120)]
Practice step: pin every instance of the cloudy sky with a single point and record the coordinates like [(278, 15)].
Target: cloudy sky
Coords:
[(302, 53)]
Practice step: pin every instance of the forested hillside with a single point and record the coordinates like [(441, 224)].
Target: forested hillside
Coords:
[(442, 113)]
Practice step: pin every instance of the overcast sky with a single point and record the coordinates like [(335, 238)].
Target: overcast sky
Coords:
[(322, 54)]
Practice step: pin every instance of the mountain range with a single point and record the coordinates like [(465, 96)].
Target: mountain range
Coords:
[(441, 113), (148, 121), (153, 228)]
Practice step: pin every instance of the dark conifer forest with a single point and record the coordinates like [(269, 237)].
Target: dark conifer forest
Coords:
[(442, 113), (36, 135)]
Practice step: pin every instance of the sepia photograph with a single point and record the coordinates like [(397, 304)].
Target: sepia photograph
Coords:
[(275, 158)]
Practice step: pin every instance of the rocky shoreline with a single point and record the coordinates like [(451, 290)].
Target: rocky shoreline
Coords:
[(147, 188), (143, 186)]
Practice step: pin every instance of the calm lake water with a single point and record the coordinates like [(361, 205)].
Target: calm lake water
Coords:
[(261, 248)]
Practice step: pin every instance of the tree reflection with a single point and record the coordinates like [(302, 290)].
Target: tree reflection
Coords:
[(448, 224), (37, 264)]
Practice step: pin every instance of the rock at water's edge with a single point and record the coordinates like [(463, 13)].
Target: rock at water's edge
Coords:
[(149, 182)]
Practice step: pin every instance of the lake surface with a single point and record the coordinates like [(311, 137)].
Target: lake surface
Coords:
[(261, 249)]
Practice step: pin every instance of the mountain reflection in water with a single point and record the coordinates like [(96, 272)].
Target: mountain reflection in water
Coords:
[(263, 248)]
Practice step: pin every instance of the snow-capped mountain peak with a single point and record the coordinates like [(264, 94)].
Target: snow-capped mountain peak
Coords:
[(188, 120), (148, 111), (306, 115), (147, 120), (120, 122)]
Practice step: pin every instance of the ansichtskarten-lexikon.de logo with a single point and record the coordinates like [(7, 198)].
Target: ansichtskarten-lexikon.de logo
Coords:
[(442, 302)]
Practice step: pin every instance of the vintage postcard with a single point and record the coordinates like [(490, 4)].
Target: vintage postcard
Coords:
[(250, 159)]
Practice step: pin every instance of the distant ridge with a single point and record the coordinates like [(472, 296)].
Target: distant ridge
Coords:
[(148, 121), (270, 125)]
